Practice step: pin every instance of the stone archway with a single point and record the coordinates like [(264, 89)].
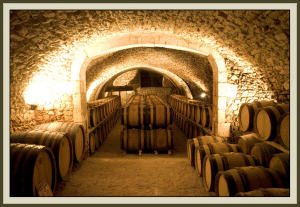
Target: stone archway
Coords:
[(177, 81), (221, 88)]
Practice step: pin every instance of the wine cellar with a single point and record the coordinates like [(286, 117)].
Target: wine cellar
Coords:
[(150, 103)]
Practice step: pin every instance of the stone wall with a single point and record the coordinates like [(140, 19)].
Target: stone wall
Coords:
[(132, 78), (44, 44), (193, 69), (251, 86)]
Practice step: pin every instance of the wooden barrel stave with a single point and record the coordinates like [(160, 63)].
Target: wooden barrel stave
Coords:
[(212, 148), (212, 164), (60, 144), (132, 139), (243, 179), (199, 141), (266, 119), (263, 152), (247, 112), (92, 143), (160, 139), (206, 117), (76, 132), (283, 130), (30, 164), (247, 141), (280, 162)]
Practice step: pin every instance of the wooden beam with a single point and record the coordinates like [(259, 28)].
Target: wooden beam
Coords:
[(118, 88)]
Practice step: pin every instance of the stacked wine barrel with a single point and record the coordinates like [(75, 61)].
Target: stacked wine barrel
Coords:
[(100, 109), (227, 171), (30, 166), (260, 167), (43, 155), (251, 165), (245, 167), (103, 115), (268, 120), (193, 117), (247, 177), (46, 153), (146, 124)]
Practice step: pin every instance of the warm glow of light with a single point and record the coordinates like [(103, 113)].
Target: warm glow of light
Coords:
[(37, 93), (43, 90), (92, 87), (203, 95), (200, 84), (112, 71)]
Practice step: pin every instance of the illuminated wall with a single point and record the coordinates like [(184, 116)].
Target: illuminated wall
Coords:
[(187, 66), (45, 45)]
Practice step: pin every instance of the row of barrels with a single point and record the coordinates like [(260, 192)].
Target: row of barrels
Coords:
[(46, 152), (227, 171), (268, 120), (98, 135), (145, 110), (100, 109), (141, 139), (194, 110), (190, 129)]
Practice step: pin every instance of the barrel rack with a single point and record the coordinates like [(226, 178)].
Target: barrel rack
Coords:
[(180, 103), (116, 111)]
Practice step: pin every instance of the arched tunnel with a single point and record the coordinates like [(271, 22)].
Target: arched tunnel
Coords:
[(63, 60)]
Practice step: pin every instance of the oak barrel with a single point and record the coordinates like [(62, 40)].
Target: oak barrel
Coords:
[(92, 143), (191, 109), (266, 119), (182, 121), (159, 139), (132, 139), (199, 141), (280, 162), (266, 192), (30, 164), (212, 164), (263, 152), (247, 141), (160, 113), (247, 111), (206, 117), (186, 127), (92, 117), (101, 135), (198, 113), (133, 115), (196, 131), (97, 138), (243, 179), (76, 132), (209, 149), (283, 130), (98, 115), (191, 130), (59, 142)]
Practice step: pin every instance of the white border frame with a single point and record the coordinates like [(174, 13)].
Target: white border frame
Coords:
[(152, 200)]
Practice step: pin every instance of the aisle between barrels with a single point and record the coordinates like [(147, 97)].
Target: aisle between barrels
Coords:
[(109, 172)]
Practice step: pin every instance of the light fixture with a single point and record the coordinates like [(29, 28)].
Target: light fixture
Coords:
[(203, 95)]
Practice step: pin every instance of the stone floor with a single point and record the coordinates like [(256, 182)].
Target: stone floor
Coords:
[(111, 173)]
